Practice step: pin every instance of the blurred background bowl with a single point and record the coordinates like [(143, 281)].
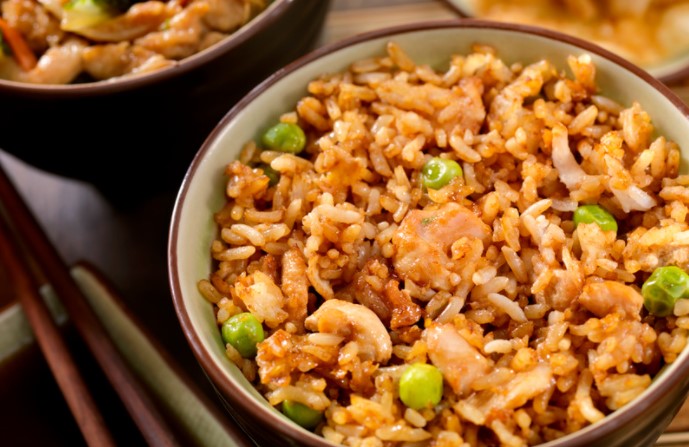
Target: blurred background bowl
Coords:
[(631, 29), (134, 137), (202, 194)]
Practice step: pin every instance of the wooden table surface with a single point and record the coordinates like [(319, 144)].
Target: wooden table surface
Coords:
[(130, 245)]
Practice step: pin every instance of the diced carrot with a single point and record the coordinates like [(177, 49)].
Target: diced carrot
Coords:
[(25, 57)]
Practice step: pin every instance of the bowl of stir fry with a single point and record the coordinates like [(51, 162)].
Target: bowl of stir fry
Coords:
[(457, 233), (651, 34), (119, 92)]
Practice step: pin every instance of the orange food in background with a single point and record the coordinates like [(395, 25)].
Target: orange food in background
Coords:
[(645, 32)]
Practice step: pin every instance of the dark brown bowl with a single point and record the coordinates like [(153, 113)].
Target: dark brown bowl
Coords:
[(135, 136), (193, 228)]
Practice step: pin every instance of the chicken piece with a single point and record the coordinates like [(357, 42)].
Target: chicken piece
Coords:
[(602, 298), (459, 362), (295, 285), (183, 34), (595, 244), (354, 322), (226, 15), (523, 387), (650, 248), (423, 240), (210, 39), (393, 306), (140, 19), (526, 385), (487, 405), (148, 61), (58, 65), (404, 311), (36, 24), (119, 59), (107, 61), (262, 297)]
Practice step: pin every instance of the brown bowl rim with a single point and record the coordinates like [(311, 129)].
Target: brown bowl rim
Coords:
[(678, 75), (254, 409), (262, 21)]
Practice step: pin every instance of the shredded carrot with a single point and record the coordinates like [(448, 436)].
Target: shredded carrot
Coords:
[(25, 57)]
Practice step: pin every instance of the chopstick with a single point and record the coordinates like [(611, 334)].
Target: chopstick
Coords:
[(139, 405), (52, 344), (673, 438)]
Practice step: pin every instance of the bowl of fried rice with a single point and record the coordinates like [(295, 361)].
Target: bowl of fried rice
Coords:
[(453, 233), (121, 93)]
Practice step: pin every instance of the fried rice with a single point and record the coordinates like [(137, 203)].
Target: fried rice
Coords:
[(356, 270)]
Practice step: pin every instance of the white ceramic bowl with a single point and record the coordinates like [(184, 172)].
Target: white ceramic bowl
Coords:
[(201, 195)]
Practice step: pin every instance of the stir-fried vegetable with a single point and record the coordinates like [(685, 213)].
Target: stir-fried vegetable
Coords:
[(80, 14), (285, 137), (438, 172), (421, 386), (301, 414), (271, 173), (595, 214), (244, 332), (663, 288), (18, 46)]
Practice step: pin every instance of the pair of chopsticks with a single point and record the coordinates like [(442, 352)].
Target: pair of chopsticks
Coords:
[(25, 248)]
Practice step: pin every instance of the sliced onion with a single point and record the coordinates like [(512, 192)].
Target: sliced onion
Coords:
[(634, 199), (571, 174)]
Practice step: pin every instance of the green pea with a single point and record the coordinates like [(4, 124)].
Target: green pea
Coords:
[(663, 288), (438, 172), (595, 214), (285, 137), (421, 386), (271, 173), (301, 414), (243, 331)]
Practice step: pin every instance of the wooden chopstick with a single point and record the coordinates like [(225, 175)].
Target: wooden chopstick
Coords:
[(139, 405), (52, 344)]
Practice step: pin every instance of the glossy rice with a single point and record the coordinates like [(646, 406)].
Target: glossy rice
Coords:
[(357, 271)]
